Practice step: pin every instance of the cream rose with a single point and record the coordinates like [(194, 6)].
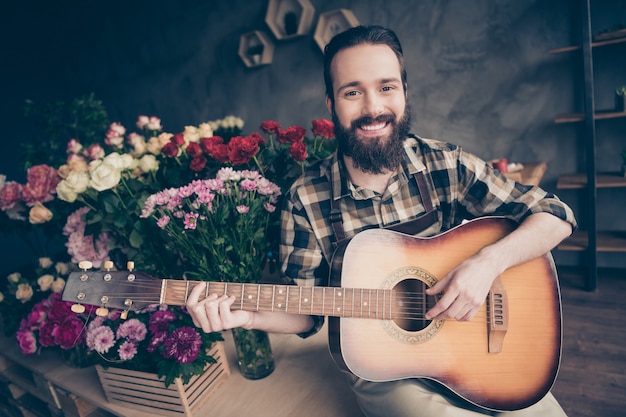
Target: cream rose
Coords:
[(1, 297), (14, 277), (62, 268), (205, 130), (45, 262), (76, 183), (39, 214), (191, 134), (104, 174), (148, 163), (24, 292), (45, 282), (58, 285)]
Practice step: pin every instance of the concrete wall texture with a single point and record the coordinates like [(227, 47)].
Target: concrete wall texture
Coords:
[(479, 75)]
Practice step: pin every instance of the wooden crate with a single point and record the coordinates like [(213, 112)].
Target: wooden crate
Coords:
[(145, 391)]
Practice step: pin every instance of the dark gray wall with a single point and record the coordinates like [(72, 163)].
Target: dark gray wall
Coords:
[(479, 74)]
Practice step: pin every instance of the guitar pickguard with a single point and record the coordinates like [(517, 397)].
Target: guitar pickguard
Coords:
[(414, 329)]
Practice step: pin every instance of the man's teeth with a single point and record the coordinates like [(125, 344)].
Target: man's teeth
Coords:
[(373, 127)]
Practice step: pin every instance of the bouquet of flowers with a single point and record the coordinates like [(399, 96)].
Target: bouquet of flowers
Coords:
[(218, 225), (51, 323), (156, 339), (22, 290)]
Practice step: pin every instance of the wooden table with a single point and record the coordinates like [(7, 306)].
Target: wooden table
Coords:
[(305, 383)]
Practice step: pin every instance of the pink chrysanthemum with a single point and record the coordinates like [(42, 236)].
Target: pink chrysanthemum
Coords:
[(127, 350), (133, 330), (100, 339)]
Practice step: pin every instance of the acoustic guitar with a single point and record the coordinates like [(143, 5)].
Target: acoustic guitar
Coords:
[(506, 358)]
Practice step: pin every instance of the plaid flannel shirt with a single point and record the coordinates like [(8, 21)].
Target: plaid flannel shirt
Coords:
[(462, 187)]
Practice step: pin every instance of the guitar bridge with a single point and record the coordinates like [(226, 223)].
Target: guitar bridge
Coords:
[(497, 316)]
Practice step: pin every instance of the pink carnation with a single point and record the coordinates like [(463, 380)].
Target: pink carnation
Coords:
[(10, 195)]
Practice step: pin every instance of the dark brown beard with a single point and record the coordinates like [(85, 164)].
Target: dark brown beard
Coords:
[(380, 154)]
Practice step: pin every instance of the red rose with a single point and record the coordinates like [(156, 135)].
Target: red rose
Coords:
[(297, 150), (207, 144), (170, 150), (270, 126), (193, 149), (178, 139), (220, 153), (198, 163), (324, 128), (241, 149), (291, 135), (260, 139), (41, 185)]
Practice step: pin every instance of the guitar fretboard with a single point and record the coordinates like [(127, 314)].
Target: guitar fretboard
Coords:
[(319, 301)]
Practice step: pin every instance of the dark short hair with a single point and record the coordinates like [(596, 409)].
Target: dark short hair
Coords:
[(358, 35)]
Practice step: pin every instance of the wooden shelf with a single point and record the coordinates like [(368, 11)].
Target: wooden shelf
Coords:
[(303, 10), (607, 241), (579, 117), (593, 45), (603, 180), (332, 23), (253, 38)]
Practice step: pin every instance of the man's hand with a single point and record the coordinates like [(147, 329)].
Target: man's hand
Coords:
[(465, 289), (213, 314)]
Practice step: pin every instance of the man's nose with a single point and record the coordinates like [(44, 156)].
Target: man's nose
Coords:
[(373, 105)]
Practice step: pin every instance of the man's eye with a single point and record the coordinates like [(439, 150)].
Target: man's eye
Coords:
[(352, 93), (387, 88)]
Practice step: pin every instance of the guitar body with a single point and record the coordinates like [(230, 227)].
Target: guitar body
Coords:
[(453, 353)]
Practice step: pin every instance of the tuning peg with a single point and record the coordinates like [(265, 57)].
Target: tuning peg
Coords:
[(78, 308), (130, 265), (128, 303), (85, 265), (107, 265), (102, 311)]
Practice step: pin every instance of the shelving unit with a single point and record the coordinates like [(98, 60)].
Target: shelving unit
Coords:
[(591, 241)]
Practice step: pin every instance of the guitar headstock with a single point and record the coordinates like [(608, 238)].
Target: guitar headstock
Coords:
[(124, 290)]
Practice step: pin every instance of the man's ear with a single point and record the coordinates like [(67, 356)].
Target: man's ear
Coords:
[(329, 104)]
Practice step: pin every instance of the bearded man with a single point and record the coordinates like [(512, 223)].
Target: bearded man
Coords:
[(383, 177)]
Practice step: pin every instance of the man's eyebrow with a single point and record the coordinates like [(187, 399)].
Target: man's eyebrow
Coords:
[(357, 83)]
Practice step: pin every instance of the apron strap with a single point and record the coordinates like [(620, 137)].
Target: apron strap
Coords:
[(411, 227)]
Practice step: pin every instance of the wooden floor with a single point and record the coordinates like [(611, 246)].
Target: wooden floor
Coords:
[(592, 379)]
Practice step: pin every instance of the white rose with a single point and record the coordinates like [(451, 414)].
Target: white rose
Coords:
[(24, 292), (76, 183), (121, 162), (14, 277), (1, 297), (45, 262), (45, 282), (148, 163), (154, 146), (104, 175), (58, 285)]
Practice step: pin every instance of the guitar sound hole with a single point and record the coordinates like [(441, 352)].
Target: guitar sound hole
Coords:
[(411, 304)]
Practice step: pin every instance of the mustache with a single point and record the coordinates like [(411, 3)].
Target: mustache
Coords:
[(365, 120)]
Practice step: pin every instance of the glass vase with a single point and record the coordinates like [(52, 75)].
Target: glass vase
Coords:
[(254, 353)]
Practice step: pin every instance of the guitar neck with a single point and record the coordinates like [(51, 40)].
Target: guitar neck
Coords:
[(318, 301)]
